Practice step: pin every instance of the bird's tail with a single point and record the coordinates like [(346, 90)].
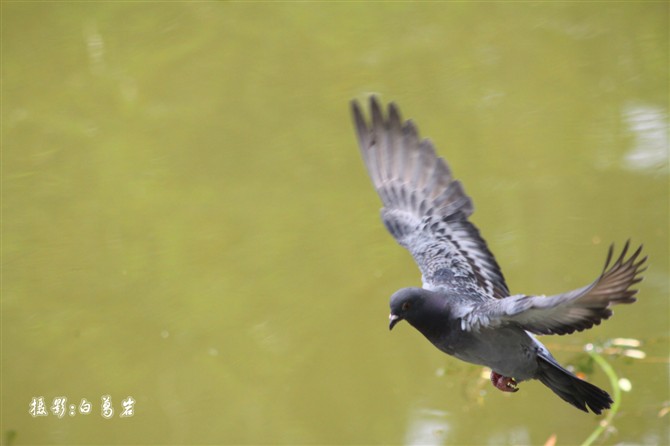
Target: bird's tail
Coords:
[(575, 391)]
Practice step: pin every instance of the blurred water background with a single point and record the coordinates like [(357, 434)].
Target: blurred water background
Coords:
[(186, 219)]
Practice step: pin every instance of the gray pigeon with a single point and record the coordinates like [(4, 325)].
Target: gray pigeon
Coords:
[(464, 307)]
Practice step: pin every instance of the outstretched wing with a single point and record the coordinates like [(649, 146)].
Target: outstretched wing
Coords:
[(425, 208), (565, 313)]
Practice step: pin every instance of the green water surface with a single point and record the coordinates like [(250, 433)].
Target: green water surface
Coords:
[(186, 219)]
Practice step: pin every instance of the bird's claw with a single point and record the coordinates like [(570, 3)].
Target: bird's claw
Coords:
[(503, 383)]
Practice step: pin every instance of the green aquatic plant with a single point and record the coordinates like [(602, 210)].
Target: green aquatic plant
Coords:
[(624, 347), (598, 358)]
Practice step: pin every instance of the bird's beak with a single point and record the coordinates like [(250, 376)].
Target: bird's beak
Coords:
[(393, 319)]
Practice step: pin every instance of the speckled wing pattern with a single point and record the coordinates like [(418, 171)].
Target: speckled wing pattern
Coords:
[(565, 313), (425, 208)]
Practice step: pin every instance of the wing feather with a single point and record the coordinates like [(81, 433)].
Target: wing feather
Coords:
[(425, 208), (565, 313)]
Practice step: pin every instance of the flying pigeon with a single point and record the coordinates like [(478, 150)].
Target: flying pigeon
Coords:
[(464, 306)]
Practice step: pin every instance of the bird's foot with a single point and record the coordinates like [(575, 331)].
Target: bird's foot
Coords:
[(503, 382)]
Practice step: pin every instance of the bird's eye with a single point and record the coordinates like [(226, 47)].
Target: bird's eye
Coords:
[(406, 306)]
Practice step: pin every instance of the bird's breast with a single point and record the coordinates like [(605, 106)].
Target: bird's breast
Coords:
[(508, 351)]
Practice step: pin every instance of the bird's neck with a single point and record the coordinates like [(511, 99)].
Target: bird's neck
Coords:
[(435, 321)]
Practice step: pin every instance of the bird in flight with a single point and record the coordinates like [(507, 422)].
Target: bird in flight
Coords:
[(464, 306)]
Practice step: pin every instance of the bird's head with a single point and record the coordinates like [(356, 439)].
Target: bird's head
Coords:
[(408, 304)]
